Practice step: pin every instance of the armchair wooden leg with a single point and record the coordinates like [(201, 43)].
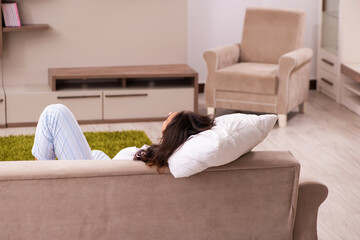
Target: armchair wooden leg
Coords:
[(282, 119), (302, 107), (211, 110)]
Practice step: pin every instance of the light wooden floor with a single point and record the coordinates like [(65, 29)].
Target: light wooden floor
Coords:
[(326, 142)]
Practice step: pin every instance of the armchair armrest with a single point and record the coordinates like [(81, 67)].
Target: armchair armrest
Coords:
[(292, 60), (216, 59), (293, 74), (310, 197), (296, 58), (220, 57)]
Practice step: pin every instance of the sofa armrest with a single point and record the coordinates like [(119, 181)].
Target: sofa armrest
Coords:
[(311, 195), (216, 59)]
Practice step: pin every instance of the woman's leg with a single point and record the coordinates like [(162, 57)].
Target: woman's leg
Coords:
[(99, 155), (58, 135)]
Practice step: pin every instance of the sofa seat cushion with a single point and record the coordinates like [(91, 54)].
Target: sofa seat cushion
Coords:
[(260, 78)]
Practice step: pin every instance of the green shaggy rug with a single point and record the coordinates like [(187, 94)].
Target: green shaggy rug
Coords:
[(14, 148)]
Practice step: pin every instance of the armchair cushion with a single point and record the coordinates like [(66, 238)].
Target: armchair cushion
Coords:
[(248, 77), (270, 33)]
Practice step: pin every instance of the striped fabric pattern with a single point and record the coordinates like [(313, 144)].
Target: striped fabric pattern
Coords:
[(58, 135)]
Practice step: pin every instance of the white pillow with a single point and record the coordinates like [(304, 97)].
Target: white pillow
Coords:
[(232, 136)]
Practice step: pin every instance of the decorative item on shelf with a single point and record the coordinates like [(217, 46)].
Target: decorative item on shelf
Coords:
[(11, 14)]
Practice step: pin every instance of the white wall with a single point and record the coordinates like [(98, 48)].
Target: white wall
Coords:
[(129, 32), (94, 33), (350, 32), (213, 23)]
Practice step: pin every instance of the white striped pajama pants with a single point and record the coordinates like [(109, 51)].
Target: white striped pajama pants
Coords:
[(58, 135)]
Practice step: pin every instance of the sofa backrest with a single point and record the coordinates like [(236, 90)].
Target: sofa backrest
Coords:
[(268, 33), (253, 197)]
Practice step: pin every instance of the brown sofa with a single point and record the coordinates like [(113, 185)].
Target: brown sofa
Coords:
[(258, 196)]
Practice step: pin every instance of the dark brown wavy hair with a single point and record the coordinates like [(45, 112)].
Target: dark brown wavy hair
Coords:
[(180, 128)]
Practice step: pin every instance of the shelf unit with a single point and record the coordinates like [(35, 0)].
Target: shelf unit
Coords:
[(339, 52), (26, 27), (328, 73), (23, 28), (350, 76), (108, 94), (350, 55), (101, 94), (4, 30)]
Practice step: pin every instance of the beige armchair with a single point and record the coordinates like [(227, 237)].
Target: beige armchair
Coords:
[(268, 72)]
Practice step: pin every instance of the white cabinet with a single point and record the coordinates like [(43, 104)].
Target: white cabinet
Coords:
[(133, 93), (146, 103), (350, 55), (25, 103), (107, 94), (328, 72), (350, 77), (339, 52), (86, 105), (328, 83)]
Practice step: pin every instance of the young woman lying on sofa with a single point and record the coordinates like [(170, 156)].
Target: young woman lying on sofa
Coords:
[(58, 135)]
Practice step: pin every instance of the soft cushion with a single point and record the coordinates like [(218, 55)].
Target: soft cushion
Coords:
[(232, 136), (269, 33), (248, 78)]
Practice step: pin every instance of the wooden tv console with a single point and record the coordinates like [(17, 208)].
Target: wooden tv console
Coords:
[(108, 94)]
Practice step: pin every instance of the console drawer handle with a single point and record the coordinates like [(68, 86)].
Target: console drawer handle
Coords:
[(327, 81), (1, 100), (327, 61), (73, 97), (127, 95)]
